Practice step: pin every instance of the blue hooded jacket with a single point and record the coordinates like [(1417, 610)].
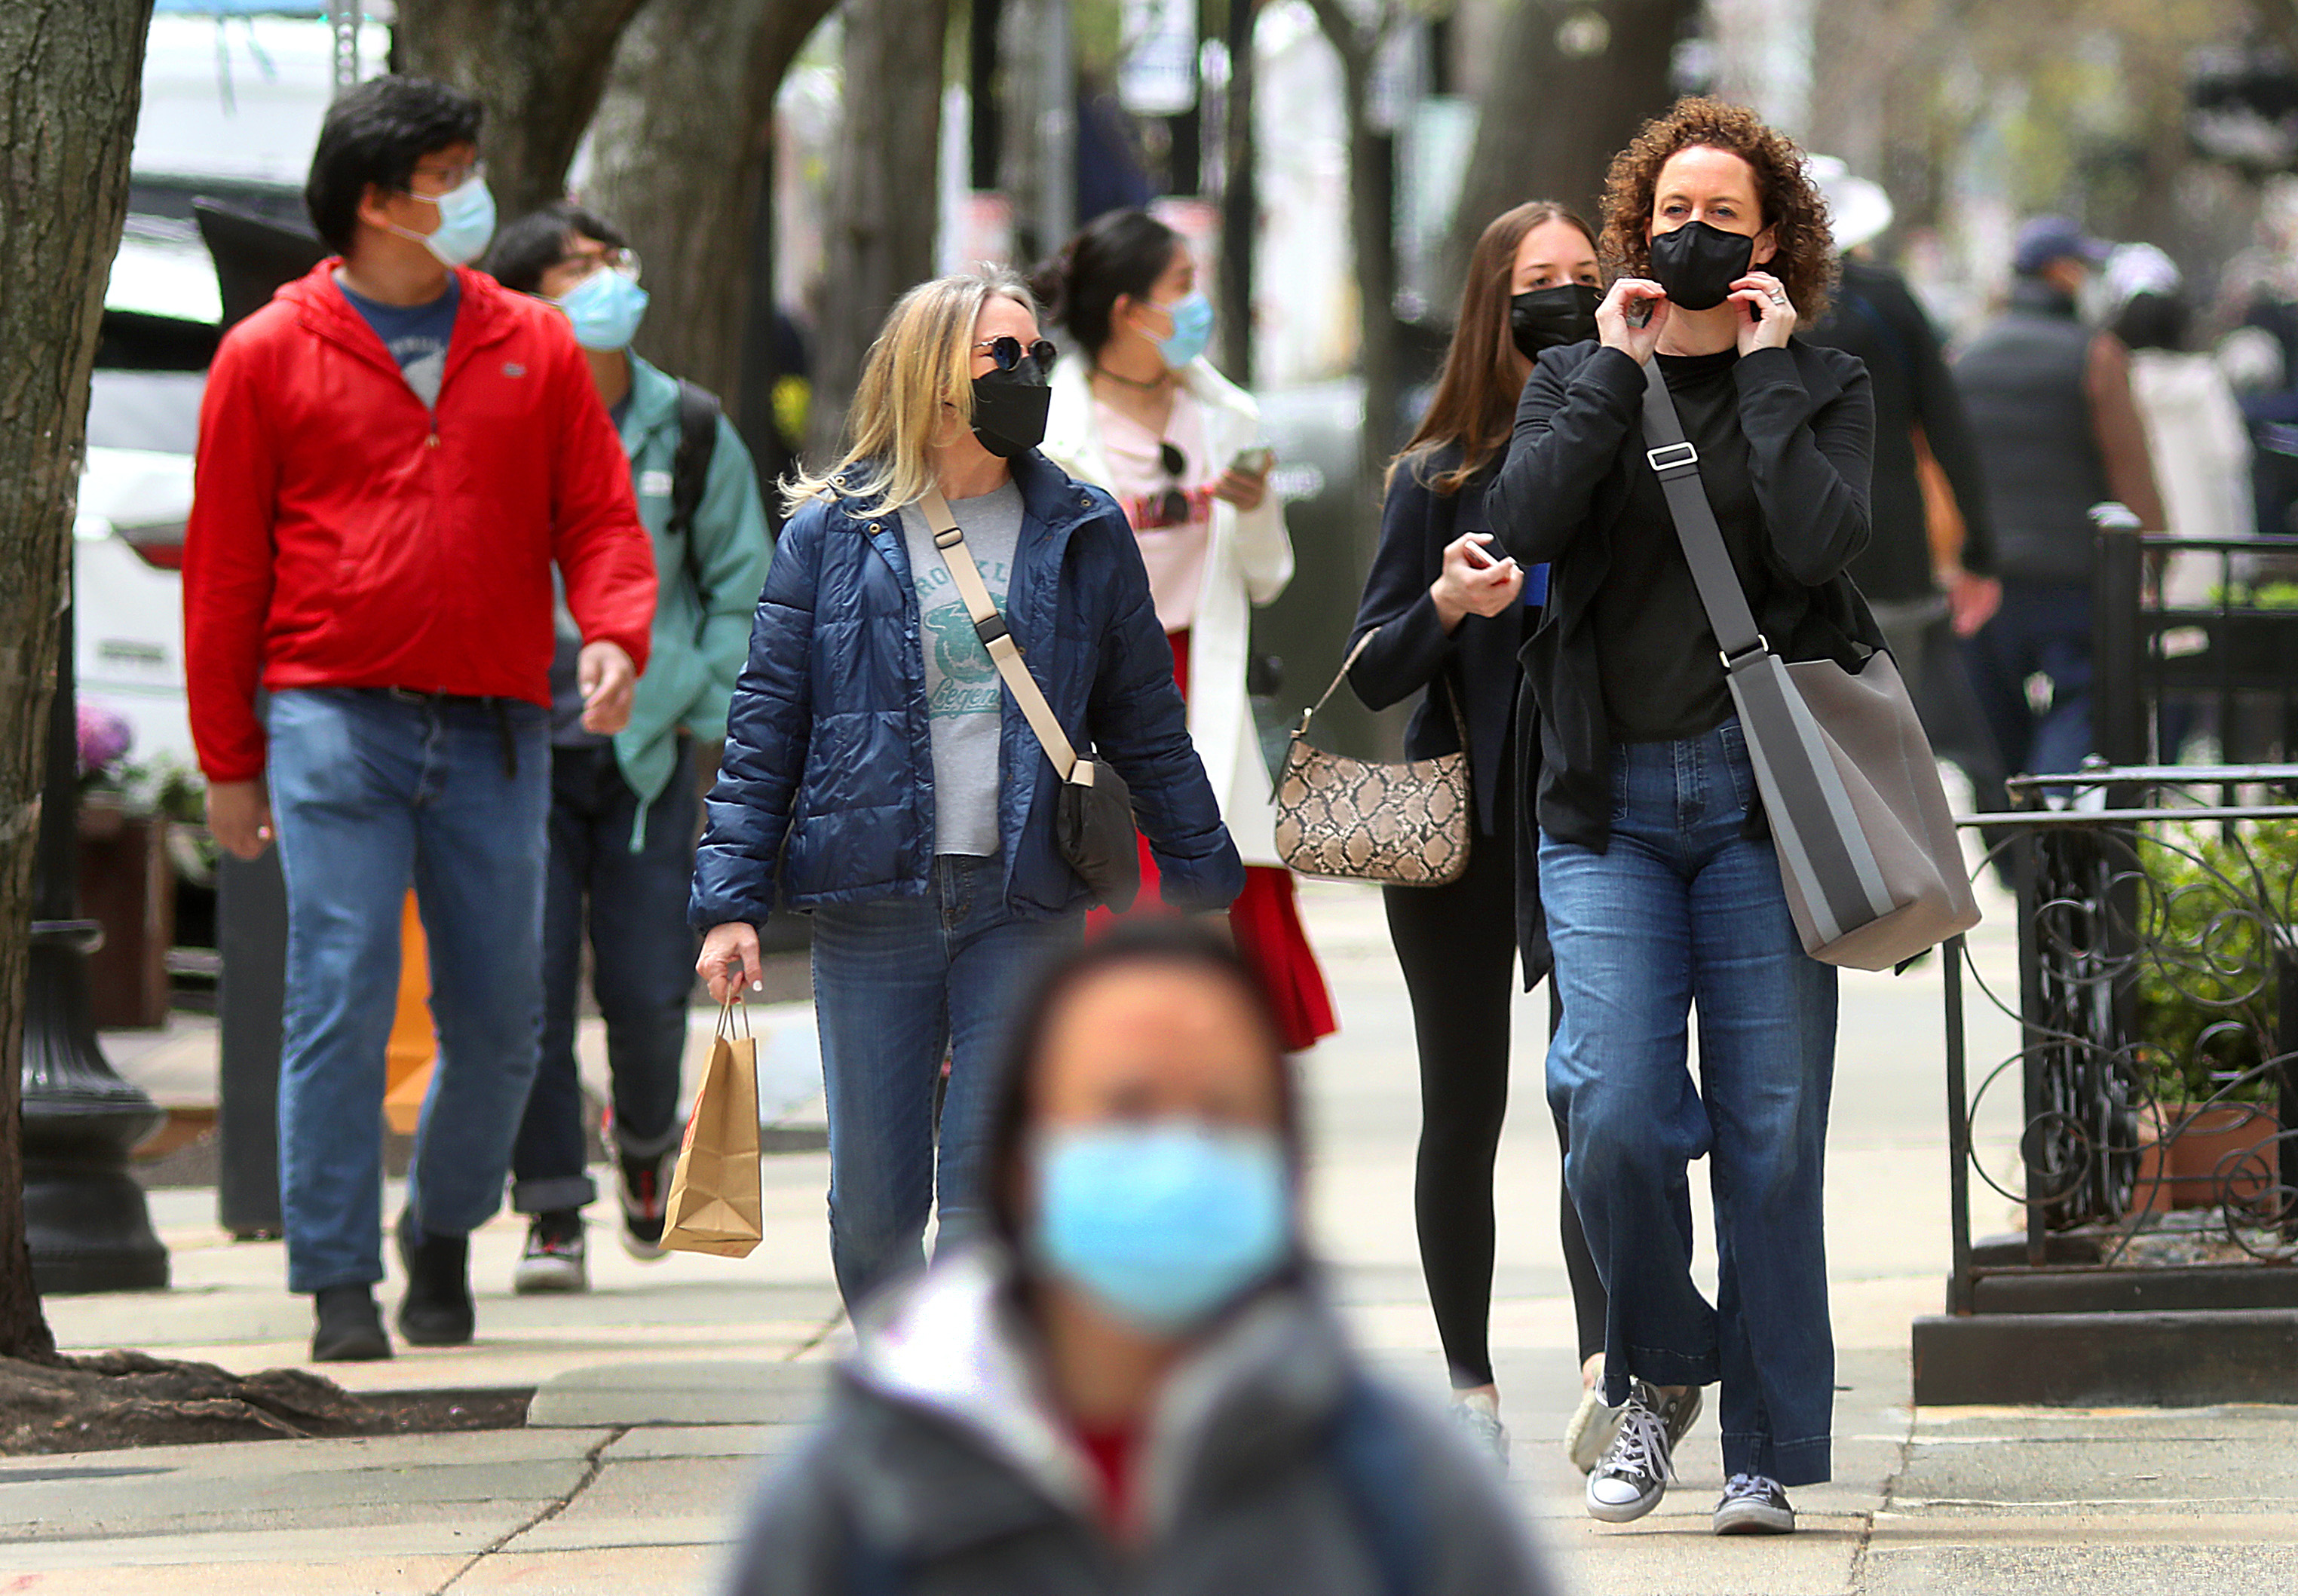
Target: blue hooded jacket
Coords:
[(825, 794)]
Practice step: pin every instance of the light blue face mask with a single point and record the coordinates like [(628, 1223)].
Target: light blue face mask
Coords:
[(1192, 330), (1162, 1222), (467, 221), (605, 310)]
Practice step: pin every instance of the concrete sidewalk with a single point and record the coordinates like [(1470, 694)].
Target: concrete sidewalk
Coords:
[(666, 1390)]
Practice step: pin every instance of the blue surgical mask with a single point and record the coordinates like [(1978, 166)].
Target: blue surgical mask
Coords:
[(1164, 1222), (605, 310), (1192, 330), (466, 220)]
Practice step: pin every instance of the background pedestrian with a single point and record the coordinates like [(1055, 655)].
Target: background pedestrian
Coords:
[(877, 773), (625, 808)]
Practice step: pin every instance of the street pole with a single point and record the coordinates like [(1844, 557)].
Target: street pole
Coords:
[(84, 1214)]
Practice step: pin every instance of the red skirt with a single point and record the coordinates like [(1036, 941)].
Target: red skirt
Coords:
[(1265, 920)]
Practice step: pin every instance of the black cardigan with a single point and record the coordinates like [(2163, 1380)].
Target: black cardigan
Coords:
[(1477, 660), (1576, 481)]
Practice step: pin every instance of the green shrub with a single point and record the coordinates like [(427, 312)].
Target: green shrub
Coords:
[(2209, 914)]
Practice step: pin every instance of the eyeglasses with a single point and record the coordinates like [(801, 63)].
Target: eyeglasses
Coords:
[(1171, 506), (618, 259), (1006, 352), (450, 178)]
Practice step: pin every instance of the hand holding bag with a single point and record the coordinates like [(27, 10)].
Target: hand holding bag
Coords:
[(1093, 819), (715, 1202), (1868, 853), (1401, 825)]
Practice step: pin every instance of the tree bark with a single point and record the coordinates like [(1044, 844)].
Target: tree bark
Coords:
[(70, 80), (885, 198), (683, 147), (1563, 101), (1372, 230), (539, 66)]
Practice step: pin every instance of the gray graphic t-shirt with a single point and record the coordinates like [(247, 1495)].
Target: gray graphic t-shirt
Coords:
[(963, 696)]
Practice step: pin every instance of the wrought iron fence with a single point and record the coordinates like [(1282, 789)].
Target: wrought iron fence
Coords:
[(2157, 1066)]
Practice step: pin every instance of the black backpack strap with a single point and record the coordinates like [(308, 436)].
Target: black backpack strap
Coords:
[(1374, 1462), (689, 467)]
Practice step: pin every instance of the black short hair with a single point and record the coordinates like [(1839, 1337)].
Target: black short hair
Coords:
[(2153, 321), (1124, 252), (537, 242), (1163, 940), (374, 133)]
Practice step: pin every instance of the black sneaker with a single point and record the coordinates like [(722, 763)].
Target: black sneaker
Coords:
[(437, 1309), (347, 1328), (1753, 1505), (646, 1197), (554, 1256), (1634, 1473)]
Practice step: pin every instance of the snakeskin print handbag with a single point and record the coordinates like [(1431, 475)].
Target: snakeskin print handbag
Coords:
[(1402, 825)]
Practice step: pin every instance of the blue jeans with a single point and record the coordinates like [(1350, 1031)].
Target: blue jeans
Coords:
[(634, 906), (2043, 629), (899, 983), (1684, 909), (369, 792)]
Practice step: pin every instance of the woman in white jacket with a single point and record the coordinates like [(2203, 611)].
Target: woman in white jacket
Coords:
[(1144, 415)]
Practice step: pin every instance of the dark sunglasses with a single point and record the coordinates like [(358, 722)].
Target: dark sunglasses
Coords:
[(1172, 504), (1006, 352)]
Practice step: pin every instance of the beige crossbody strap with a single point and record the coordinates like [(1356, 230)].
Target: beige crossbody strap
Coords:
[(989, 626)]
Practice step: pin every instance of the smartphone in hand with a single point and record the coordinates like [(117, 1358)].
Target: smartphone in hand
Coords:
[(1254, 460)]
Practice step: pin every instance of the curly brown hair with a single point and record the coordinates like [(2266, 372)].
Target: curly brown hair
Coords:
[(1793, 207)]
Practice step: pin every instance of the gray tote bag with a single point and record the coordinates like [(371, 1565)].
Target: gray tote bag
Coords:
[(1867, 846)]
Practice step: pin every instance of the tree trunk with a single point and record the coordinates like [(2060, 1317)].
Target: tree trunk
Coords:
[(1572, 82), (539, 66), (71, 79), (880, 235), (683, 148)]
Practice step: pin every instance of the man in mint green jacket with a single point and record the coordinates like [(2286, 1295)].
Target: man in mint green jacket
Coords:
[(623, 809)]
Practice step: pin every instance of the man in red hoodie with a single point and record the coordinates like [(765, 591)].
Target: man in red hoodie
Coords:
[(394, 455)]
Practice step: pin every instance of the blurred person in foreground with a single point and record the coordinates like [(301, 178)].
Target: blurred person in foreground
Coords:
[(623, 808), (1449, 618), (1134, 1382), (1143, 413), (2058, 432), (1909, 586), (879, 772), (394, 454)]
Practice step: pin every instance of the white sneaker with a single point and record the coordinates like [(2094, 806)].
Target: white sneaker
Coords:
[(1478, 1416), (553, 1259), (1753, 1505), (1632, 1475)]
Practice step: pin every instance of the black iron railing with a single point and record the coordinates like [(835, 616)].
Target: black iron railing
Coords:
[(2157, 1006)]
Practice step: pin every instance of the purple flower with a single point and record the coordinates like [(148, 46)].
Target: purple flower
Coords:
[(103, 738)]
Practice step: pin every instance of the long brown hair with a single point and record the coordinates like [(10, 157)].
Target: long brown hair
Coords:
[(1475, 403)]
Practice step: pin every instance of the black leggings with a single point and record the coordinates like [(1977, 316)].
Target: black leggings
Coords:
[(1457, 946)]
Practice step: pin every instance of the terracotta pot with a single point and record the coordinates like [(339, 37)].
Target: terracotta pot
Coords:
[(2221, 1152)]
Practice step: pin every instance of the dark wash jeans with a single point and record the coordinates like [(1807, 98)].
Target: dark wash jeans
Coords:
[(2043, 629), (1682, 910), (633, 908), (899, 984), (370, 791)]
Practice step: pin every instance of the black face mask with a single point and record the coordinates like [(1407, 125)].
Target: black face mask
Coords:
[(1010, 409), (1545, 317), (1698, 264)]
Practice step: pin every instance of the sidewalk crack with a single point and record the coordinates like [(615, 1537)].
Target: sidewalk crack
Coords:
[(594, 1465), (1857, 1584)]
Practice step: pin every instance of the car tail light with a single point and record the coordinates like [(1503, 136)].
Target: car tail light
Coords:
[(160, 546)]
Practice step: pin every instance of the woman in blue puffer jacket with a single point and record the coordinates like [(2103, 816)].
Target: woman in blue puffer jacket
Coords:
[(879, 773)]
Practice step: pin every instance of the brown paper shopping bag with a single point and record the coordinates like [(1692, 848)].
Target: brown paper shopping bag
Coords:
[(714, 1196)]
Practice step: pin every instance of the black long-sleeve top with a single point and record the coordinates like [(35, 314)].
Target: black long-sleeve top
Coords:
[(1576, 487), (1878, 318)]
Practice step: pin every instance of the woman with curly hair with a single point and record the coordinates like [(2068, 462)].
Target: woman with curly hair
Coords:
[(1656, 876)]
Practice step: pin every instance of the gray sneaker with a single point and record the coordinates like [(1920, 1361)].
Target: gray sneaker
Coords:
[(1478, 1418), (1596, 1421), (1753, 1505), (1633, 1474)]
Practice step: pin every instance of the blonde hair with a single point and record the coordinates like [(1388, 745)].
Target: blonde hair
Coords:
[(922, 360)]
